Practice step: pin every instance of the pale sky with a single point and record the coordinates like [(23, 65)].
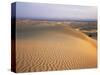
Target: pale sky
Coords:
[(55, 11)]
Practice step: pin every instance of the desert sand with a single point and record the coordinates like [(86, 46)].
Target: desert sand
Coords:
[(54, 48)]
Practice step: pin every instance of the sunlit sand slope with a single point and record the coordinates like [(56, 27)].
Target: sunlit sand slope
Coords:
[(54, 48)]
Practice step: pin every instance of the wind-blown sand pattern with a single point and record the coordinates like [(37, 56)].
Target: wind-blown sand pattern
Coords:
[(59, 47)]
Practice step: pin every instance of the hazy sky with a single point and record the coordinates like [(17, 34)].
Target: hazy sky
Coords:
[(55, 12)]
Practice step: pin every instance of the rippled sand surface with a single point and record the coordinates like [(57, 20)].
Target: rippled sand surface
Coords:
[(49, 48)]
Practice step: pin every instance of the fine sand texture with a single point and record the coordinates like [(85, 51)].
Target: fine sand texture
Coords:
[(59, 47)]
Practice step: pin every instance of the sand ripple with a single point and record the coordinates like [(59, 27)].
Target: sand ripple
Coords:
[(55, 51)]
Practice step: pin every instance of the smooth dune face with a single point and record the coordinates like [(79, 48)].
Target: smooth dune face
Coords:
[(46, 48)]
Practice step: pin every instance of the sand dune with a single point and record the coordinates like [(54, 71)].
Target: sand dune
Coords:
[(57, 48)]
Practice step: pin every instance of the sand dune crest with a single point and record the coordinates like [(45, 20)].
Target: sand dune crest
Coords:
[(56, 50)]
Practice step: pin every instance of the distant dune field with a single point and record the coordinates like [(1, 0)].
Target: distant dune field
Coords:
[(55, 47)]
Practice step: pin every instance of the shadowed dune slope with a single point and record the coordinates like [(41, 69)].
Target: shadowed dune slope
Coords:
[(55, 48)]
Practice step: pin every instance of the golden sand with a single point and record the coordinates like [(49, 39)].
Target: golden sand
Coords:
[(56, 50)]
